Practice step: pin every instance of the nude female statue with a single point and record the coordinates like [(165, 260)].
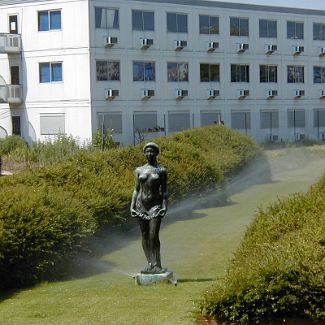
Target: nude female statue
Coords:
[(149, 205)]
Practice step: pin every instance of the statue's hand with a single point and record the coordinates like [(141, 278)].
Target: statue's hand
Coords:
[(133, 213), (162, 212)]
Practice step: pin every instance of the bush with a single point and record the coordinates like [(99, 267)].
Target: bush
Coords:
[(12, 143), (102, 181), (279, 269)]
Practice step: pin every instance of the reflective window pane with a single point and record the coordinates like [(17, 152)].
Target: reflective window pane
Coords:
[(55, 19), (182, 23), (204, 72), (137, 20), (234, 26), (44, 69), (43, 21), (204, 24), (149, 21), (56, 71), (171, 22)]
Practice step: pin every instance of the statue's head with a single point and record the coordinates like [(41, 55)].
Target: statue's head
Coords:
[(151, 145)]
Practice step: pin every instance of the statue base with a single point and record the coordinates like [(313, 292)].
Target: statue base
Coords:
[(147, 279)]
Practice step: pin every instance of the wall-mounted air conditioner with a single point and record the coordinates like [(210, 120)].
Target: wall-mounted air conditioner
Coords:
[(212, 46), (179, 45), (272, 138), (110, 41), (148, 93), (146, 43), (181, 93), (111, 93), (270, 48), (242, 47), (298, 50), (242, 93), (213, 93), (270, 93), (298, 93), (322, 51)]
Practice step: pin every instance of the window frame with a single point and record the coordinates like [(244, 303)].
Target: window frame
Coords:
[(268, 73), (108, 71), (49, 20), (144, 69), (210, 65), (178, 71), (117, 11), (177, 17), (295, 29), (295, 74), (240, 32), (209, 27), (268, 28), (143, 20), (239, 72), (322, 32), (50, 72)]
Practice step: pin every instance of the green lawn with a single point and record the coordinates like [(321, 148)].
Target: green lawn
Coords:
[(196, 246)]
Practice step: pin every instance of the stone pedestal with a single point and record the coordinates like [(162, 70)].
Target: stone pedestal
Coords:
[(146, 279)]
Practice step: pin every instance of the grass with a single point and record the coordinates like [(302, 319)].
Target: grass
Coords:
[(108, 295)]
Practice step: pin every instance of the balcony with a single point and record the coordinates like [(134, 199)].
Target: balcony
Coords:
[(10, 43), (10, 94)]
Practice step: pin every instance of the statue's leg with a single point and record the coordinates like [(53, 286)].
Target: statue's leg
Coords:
[(154, 242), (144, 226)]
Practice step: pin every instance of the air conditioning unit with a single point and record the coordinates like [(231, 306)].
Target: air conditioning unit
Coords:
[(242, 47), (213, 93), (273, 138), (322, 93), (299, 93), (110, 41), (242, 93), (181, 93), (298, 50), (212, 46), (299, 137), (111, 93), (270, 93), (322, 51), (179, 45), (270, 48), (148, 93), (146, 42)]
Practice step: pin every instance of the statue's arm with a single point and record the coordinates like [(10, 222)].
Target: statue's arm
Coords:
[(135, 193), (164, 191)]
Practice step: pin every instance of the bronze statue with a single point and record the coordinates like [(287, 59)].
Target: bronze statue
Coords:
[(149, 205)]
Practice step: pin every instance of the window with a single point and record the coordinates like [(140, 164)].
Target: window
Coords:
[(209, 24), (319, 75), (319, 117), (177, 71), (268, 73), (269, 119), (295, 74), (295, 30), (239, 73), (210, 117), (144, 71), (110, 121), (106, 18), (143, 20), (50, 72), (178, 121), (296, 118), (176, 23), (319, 31), (49, 20), (107, 70), (209, 72), (241, 120), (52, 124), (267, 28), (145, 122), (238, 26)]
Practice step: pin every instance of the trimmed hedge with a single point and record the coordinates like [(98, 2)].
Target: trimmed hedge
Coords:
[(74, 199), (279, 269)]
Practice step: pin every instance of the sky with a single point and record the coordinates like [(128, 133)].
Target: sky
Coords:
[(306, 4)]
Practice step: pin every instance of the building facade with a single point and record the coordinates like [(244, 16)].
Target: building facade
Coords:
[(150, 68)]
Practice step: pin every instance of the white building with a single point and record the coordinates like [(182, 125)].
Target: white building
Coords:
[(148, 68)]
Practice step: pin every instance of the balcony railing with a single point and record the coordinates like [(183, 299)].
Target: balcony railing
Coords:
[(10, 43), (10, 94)]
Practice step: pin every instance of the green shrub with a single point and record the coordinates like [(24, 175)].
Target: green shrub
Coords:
[(279, 269), (102, 181), (12, 143)]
